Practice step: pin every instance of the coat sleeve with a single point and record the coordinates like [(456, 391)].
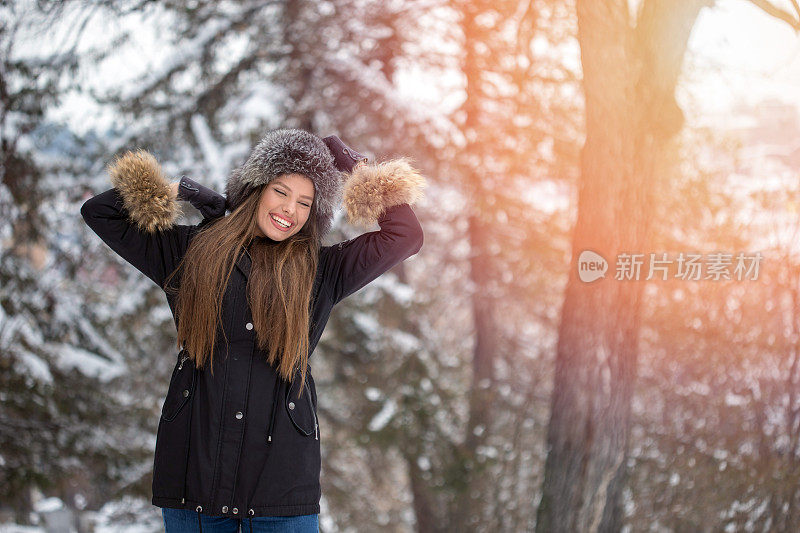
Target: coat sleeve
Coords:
[(350, 265), (155, 255)]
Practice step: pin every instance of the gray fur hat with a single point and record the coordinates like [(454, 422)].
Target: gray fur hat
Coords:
[(289, 151)]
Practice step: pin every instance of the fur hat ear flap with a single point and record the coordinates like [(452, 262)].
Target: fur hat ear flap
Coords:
[(372, 188), (145, 191)]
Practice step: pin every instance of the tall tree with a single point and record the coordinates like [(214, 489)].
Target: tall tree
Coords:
[(631, 66)]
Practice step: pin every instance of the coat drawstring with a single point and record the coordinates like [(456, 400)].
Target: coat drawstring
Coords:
[(199, 522), (274, 406)]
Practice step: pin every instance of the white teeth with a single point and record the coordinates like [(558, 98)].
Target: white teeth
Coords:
[(281, 222)]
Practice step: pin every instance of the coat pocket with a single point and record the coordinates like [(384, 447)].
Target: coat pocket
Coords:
[(302, 410), (181, 387)]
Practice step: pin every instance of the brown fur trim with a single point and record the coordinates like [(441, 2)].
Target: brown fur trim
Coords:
[(371, 188), (145, 190)]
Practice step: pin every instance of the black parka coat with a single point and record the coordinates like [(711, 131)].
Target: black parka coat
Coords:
[(241, 444)]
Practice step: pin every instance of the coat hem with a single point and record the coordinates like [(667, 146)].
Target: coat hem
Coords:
[(270, 510)]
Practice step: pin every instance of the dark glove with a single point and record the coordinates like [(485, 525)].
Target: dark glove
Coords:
[(209, 202), (345, 158)]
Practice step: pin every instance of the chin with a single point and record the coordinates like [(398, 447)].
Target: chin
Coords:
[(274, 234)]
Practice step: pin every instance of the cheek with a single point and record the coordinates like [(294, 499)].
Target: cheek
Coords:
[(303, 220), (263, 210)]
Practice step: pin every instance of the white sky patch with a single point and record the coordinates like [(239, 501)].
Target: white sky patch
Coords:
[(123, 68), (739, 53)]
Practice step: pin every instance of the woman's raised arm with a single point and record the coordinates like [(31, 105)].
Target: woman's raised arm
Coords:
[(350, 265), (137, 217), (383, 194)]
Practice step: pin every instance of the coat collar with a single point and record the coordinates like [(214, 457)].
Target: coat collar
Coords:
[(244, 262)]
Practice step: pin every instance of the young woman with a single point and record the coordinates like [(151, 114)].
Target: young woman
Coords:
[(250, 293)]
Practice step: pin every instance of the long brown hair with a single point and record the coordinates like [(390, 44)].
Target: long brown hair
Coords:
[(278, 289)]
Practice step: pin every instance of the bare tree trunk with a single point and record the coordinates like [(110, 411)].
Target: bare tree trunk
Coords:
[(300, 84), (423, 502), (467, 509), (629, 82), (482, 390)]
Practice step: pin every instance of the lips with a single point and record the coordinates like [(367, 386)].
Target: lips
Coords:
[(275, 218)]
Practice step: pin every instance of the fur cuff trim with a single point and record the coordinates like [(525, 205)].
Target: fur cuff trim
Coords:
[(372, 188), (145, 191)]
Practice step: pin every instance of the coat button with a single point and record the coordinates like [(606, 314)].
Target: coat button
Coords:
[(235, 510), (185, 393), (239, 415), (249, 326), (224, 508), (291, 405)]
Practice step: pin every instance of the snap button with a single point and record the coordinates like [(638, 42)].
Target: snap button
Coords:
[(249, 325), (185, 393), (224, 508), (235, 510), (291, 405), (239, 415)]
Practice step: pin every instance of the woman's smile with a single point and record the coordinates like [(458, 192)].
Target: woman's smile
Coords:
[(281, 223)]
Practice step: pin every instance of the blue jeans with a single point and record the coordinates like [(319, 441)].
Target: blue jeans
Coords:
[(186, 521)]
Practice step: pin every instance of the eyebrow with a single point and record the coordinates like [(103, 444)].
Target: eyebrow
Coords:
[(282, 184)]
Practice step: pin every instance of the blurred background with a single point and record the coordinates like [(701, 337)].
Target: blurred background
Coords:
[(480, 385)]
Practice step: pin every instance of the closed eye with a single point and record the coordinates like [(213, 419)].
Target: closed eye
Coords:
[(284, 194)]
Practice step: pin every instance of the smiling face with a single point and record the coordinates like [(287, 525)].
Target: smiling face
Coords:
[(284, 206)]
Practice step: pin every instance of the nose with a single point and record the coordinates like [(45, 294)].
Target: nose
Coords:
[(288, 208)]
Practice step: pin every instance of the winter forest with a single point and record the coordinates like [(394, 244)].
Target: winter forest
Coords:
[(601, 331)]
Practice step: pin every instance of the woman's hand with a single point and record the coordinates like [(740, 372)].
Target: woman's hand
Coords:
[(173, 189)]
